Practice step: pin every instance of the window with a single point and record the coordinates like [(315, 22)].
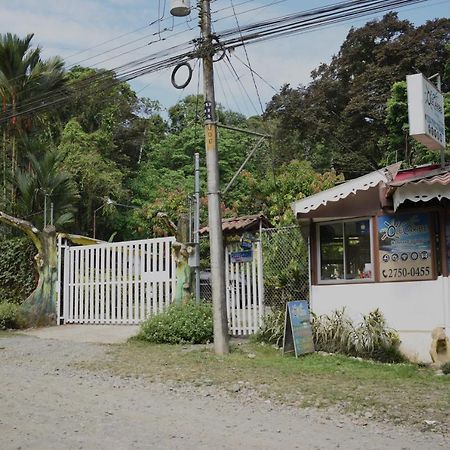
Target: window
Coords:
[(345, 251)]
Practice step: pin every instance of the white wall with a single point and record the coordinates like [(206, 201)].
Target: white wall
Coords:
[(412, 308)]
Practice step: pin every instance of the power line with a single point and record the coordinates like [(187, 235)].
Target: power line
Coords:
[(293, 23), (282, 26), (248, 60), (127, 72), (256, 73)]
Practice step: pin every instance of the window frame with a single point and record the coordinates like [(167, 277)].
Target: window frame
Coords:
[(372, 279)]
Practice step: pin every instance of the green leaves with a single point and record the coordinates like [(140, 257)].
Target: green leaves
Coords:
[(17, 276), (344, 108), (43, 184), (190, 323), (335, 333)]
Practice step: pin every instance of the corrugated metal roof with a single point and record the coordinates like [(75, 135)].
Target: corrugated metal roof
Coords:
[(430, 183), (242, 223), (428, 174), (430, 178)]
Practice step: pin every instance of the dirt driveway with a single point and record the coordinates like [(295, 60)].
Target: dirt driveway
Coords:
[(46, 403)]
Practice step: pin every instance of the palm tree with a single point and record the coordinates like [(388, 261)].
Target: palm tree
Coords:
[(44, 187), (44, 184), (24, 77)]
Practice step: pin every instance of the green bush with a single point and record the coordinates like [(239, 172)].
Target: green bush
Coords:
[(446, 368), (371, 339), (180, 324), (17, 274), (10, 316), (333, 333), (272, 329)]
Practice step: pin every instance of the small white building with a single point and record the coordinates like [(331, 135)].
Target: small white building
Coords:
[(383, 241)]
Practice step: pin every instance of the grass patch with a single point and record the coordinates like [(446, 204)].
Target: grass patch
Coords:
[(6, 333), (400, 393)]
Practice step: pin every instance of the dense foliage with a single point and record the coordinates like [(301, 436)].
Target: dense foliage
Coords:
[(17, 279), (108, 157), (350, 119), (339, 120), (10, 316), (180, 324)]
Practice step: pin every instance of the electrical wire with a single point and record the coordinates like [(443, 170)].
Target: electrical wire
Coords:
[(127, 72), (256, 73), (244, 91), (230, 39), (290, 24), (248, 61)]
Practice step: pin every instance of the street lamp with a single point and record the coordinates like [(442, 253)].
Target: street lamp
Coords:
[(107, 201)]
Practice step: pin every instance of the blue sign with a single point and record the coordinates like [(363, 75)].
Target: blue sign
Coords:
[(247, 240), (244, 256)]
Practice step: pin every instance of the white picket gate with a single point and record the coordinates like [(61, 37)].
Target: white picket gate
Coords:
[(244, 291), (115, 283)]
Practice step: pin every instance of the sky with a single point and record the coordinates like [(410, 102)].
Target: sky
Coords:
[(109, 33)]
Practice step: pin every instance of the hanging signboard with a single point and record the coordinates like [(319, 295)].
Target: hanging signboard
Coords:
[(297, 329), (405, 250), (426, 112), (247, 240), (244, 256)]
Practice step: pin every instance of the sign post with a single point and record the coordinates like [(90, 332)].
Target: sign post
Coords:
[(297, 329)]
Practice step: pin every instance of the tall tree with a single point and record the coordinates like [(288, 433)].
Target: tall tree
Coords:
[(24, 78), (341, 114), (45, 182)]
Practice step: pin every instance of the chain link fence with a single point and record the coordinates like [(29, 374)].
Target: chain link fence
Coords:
[(285, 266), (205, 269)]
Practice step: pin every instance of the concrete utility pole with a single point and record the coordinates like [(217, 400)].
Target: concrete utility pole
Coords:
[(197, 225), (221, 344)]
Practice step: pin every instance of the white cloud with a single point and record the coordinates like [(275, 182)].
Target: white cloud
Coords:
[(66, 27)]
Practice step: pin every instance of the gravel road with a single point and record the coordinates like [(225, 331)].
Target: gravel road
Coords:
[(46, 403)]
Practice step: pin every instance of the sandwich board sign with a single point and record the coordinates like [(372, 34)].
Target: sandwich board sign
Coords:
[(297, 329)]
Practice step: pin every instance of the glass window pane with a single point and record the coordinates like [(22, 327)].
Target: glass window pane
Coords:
[(331, 251), (358, 263)]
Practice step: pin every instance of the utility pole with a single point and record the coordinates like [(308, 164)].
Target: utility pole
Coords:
[(197, 225), (221, 344)]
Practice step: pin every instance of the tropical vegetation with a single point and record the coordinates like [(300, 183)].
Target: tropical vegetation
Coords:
[(62, 165)]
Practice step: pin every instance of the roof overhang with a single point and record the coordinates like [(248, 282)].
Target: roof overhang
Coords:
[(238, 225), (422, 190), (355, 197)]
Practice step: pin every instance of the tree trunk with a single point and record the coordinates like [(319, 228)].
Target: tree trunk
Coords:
[(40, 307)]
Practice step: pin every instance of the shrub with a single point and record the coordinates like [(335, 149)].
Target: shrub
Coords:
[(17, 274), (333, 333), (373, 339), (180, 324), (10, 316), (272, 329), (446, 368), (370, 339)]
